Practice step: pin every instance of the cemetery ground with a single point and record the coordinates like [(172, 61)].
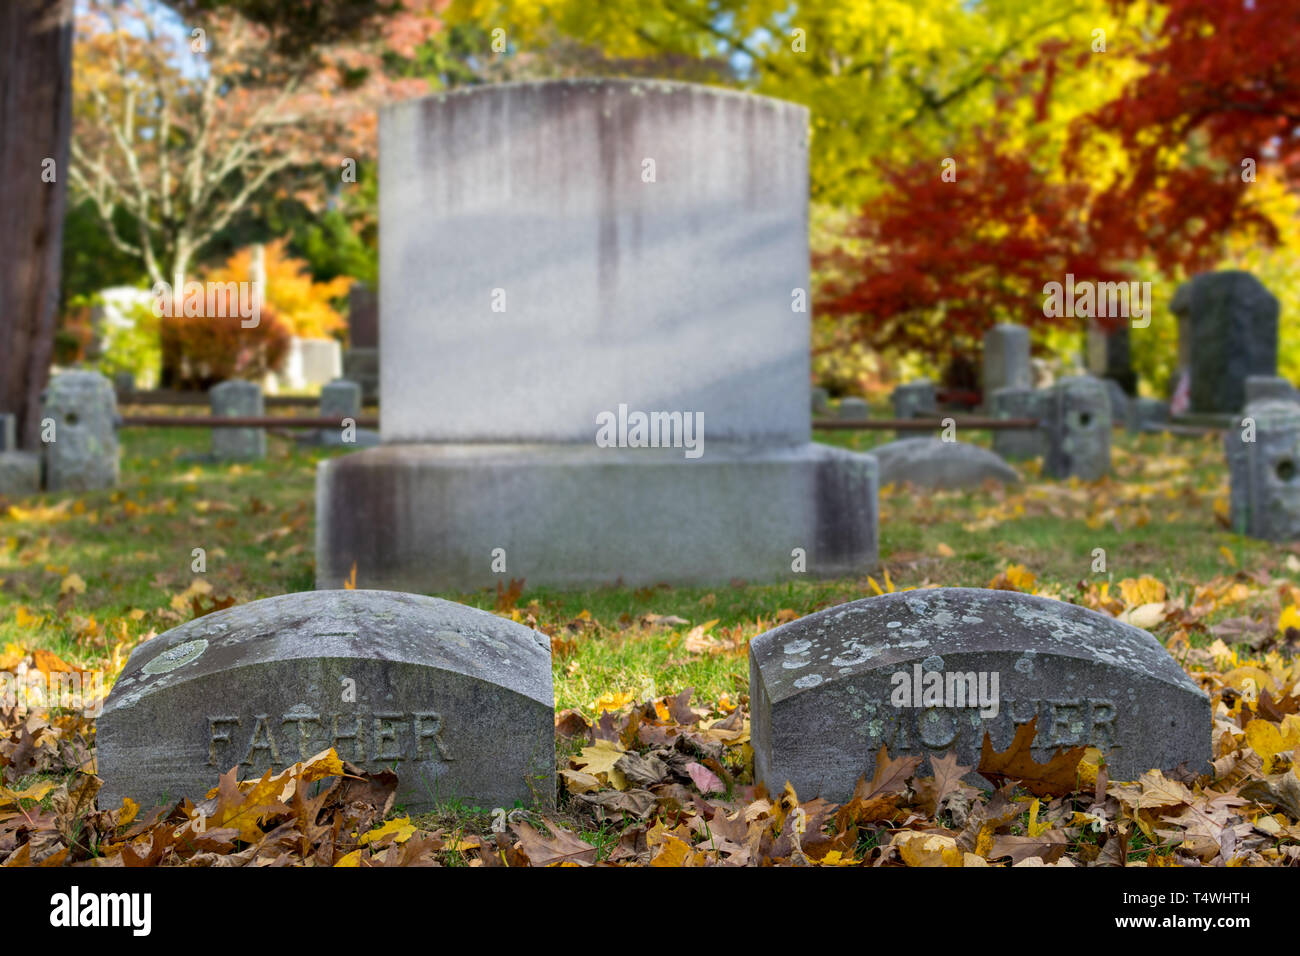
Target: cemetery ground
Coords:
[(651, 684)]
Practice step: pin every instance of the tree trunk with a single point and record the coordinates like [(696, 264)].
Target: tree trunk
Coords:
[(35, 115)]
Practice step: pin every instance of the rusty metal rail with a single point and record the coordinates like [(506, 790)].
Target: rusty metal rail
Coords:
[(921, 424), (248, 421)]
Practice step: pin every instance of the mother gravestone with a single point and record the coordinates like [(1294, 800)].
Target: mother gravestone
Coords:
[(457, 701), (930, 672)]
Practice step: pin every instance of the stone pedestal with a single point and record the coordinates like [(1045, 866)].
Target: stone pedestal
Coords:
[(440, 517), (560, 256)]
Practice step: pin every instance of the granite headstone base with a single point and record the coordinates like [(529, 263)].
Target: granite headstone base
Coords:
[(426, 517)]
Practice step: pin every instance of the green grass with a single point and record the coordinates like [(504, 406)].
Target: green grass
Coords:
[(134, 548)]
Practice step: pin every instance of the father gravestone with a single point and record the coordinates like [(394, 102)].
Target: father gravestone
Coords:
[(930, 672), (593, 357), (1227, 331), (457, 701)]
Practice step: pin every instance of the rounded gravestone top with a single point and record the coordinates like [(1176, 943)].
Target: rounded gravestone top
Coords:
[(380, 625), (894, 629), (1273, 413), (934, 463)]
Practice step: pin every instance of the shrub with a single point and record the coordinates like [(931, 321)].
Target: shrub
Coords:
[(201, 351)]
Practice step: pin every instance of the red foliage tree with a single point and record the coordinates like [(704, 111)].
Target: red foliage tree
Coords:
[(1221, 86), (945, 260)]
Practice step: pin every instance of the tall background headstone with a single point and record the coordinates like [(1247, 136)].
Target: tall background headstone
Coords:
[(1227, 331), (556, 252), (1006, 359)]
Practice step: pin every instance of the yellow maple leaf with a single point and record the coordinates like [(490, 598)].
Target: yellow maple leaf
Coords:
[(1143, 590), (611, 701), (400, 829), (1289, 618), (928, 849), (943, 550), (599, 759)]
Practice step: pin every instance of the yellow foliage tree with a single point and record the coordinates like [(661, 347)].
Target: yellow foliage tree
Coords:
[(302, 303)]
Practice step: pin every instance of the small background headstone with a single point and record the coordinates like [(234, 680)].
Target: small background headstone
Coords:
[(1265, 473), (1149, 413), (1006, 358), (341, 399), (937, 464), (1261, 388), (83, 454), (1108, 355), (1020, 443), (915, 400), (1076, 415), (237, 399), (854, 409), (20, 473)]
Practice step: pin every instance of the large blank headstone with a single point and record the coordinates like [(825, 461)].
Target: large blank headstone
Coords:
[(1263, 452), (825, 694), (82, 456), (457, 701), (557, 252), (1227, 331)]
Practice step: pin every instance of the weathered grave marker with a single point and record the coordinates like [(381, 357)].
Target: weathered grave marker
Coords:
[(1006, 358), (854, 409), (83, 453), (828, 690), (1263, 452), (1017, 443), (237, 399), (1270, 387), (1227, 331), (915, 400), (937, 464), (1076, 425), (457, 701)]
